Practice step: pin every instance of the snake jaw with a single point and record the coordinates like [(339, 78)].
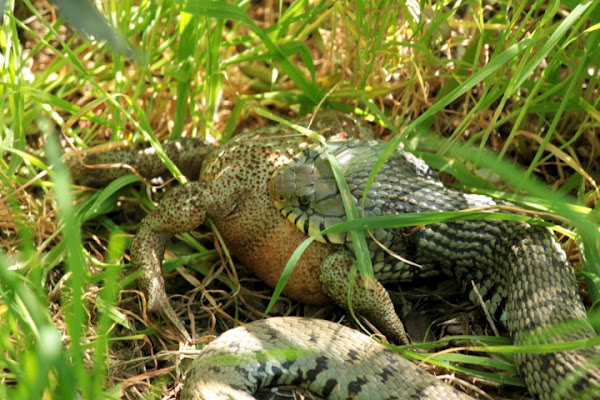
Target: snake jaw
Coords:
[(307, 195)]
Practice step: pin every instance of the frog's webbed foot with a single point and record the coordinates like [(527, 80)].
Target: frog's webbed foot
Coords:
[(370, 300), (181, 210)]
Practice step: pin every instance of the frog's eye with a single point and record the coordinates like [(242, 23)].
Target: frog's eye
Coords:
[(304, 201)]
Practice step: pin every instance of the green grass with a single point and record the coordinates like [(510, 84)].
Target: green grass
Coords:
[(512, 84)]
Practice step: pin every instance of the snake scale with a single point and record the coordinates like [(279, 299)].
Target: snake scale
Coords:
[(518, 268)]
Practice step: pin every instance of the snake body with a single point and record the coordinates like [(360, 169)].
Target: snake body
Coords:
[(517, 267), (331, 360)]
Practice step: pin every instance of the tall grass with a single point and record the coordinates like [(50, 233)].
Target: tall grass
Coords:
[(516, 83)]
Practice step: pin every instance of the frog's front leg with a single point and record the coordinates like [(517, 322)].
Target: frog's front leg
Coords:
[(183, 209), (369, 299)]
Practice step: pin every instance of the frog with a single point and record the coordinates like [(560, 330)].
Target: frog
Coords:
[(232, 190)]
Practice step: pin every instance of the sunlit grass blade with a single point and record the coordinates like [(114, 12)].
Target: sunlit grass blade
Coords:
[(223, 10)]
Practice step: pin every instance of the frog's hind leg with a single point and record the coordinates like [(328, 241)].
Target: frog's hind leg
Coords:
[(369, 299), (97, 168)]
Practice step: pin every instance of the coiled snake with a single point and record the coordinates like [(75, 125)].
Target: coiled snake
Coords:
[(518, 267)]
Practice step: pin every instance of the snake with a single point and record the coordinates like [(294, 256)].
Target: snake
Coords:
[(329, 359), (517, 266)]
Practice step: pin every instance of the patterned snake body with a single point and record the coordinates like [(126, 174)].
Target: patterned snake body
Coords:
[(518, 268), (331, 360)]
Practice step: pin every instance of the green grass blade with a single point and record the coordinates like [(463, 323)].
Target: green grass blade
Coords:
[(224, 10)]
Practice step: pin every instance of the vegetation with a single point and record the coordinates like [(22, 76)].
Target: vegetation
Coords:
[(501, 95)]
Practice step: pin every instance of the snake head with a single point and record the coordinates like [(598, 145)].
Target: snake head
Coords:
[(306, 193)]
